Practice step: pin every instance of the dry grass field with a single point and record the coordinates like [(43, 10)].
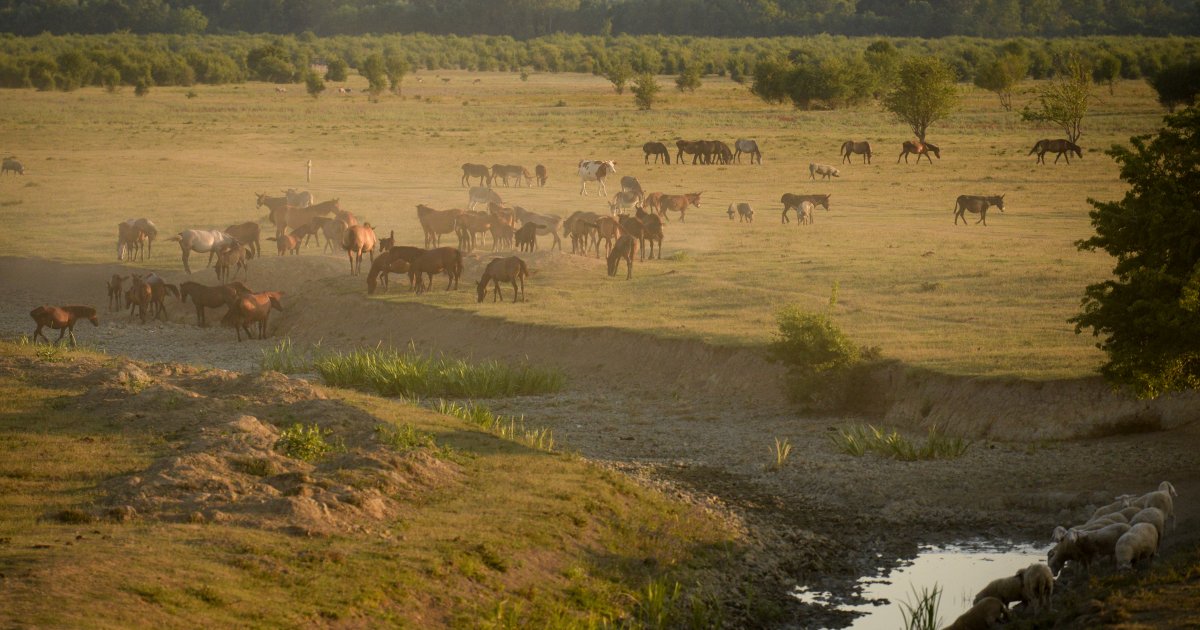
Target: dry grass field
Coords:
[(967, 300)]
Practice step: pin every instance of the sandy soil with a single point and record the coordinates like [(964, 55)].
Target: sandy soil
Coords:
[(691, 419)]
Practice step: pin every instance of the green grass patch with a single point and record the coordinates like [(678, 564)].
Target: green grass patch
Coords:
[(514, 429), (391, 373), (922, 612), (285, 357), (307, 443), (858, 440)]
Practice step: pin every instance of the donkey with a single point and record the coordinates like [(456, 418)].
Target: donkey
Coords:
[(976, 204)]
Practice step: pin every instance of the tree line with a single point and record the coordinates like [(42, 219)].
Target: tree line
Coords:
[(531, 18)]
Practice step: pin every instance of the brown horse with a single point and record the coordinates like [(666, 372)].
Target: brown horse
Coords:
[(139, 296), (678, 203), (851, 147), (607, 230), (526, 237), (159, 289), (1064, 148), (580, 227), (397, 259), (502, 235), (547, 224), (115, 291), (920, 149), (541, 174), (634, 227), (437, 222), (247, 233), (252, 308), (135, 237), (658, 150), (357, 240), (236, 256), (62, 319), (291, 217), (652, 231), (203, 296), (441, 259), (511, 269), (475, 170), (792, 202), (625, 248), (976, 204), (700, 150), (287, 243), (474, 223)]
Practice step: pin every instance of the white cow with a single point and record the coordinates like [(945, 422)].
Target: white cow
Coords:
[(824, 170), (595, 171)]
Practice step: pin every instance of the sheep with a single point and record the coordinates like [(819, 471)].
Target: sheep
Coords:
[(1109, 519), (1151, 515), (1037, 585), (1006, 589), (1140, 542), (1083, 546), (987, 613), (1160, 499), (1121, 503)]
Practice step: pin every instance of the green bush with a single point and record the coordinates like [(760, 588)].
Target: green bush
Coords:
[(304, 442), (337, 70), (818, 355), (314, 84)]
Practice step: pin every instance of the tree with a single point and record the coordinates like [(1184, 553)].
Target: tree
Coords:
[(645, 90), (1177, 84), (1001, 76), (1148, 315), (270, 63), (336, 70), (1064, 100), (689, 79), (314, 84), (374, 68), (925, 93), (396, 67), (618, 73), (1107, 71)]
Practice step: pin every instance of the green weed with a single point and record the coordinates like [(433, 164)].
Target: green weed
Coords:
[(404, 438), (514, 429), (286, 358), (305, 442), (923, 613), (391, 373), (860, 439), (781, 452)]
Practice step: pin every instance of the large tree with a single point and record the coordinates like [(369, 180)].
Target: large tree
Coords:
[(925, 93), (1065, 100), (1148, 315), (1002, 75)]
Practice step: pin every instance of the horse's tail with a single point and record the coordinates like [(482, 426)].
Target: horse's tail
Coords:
[(177, 238), (524, 271), (1037, 145)]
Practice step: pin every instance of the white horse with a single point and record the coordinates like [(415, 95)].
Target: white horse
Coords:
[(747, 146), (482, 195), (595, 171), (200, 241), (299, 198)]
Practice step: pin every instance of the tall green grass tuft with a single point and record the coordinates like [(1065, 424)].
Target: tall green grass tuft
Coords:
[(391, 373), (860, 439), (781, 452), (286, 358), (513, 429), (923, 613)]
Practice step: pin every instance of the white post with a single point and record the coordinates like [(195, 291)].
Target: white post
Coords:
[(308, 172)]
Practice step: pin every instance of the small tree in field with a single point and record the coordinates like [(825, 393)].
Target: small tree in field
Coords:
[(689, 79), (925, 93), (1107, 71), (395, 67), (1064, 101), (645, 90), (336, 70), (314, 84), (1001, 76), (374, 68), (618, 73), (1148, 315)]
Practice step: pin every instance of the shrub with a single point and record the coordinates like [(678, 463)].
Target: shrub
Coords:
[(404, 438), (304, 442), (818, 356), (314, 84), (337, 70), (689, 79), (142, 87), (513, 429), (645, 90)]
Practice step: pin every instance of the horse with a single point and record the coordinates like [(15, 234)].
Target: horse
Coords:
[(115, 291), (287, 243), (920, 149), (526, 237), (743, 210), (806, 213), (792, 202), (203, 296), (721, 152), (502, 234), (248, 308), (356, 240), (547, 224), (236, 256), (141, 296), (851, 147), (248, 233), (824, 170), (133, 235), (511, 269), (595, 171), (503, 171), (608, 229), (473, 223), (678, 203), (441, 259), (149, 292), (482, 195), (658, 150), (579, 226), (976, 204), (11, 164), (541, 174), (437, 222), (652, 230), (62, 319), (633, 226), (291, 217), (475, 170), (398, 259), (629, 183), (298, 198), (622, 200), (742, 145), (201, 241), (1064, 148), (625, 248), (700, 150)]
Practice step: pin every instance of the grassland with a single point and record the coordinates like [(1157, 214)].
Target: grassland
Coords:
[(969, 300)]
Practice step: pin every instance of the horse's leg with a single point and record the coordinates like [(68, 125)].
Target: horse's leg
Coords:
[(902, 154), (187, 253), (71, 333)]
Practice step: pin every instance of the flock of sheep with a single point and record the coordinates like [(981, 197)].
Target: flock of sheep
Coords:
[(1129, 530)]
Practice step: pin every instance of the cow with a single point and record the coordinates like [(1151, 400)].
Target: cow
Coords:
[(595, 171)]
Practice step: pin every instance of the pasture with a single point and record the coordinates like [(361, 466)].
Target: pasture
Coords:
[(965, 300)]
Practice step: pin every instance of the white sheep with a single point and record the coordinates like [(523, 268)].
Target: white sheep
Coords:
[(986, 614), (1006, 589), (1140, 542), (1037, 585), (1109, 519), (1151, 515), (1121, 503), (1160, 499), (1129, 512), (1084, 546)]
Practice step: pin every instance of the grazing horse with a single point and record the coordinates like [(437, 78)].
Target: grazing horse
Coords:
[(976, 204), (658, 150), (625, 248), (635, 227), (824, 170), (792, 202), (356, 240), (742, 145), (248, 233), (721, 152), (595, 171), (678, 203), (441, 259), (139, 296), (209, 297), (541, 174), (699, 149), (115, 291), (475, 170), (11, 164), (743, 210), (1064, 148), (398, 259), (252, 308), (62, 319), (851, 147), (482, 195), (511, 269), (526, 237), (920, 149), (435, 223), (201, 241), (547, 224), (631, 184)]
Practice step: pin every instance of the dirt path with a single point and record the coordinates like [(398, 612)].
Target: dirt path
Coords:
[(692, 419)]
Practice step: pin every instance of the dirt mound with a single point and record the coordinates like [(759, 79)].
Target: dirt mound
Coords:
[(225, 462)]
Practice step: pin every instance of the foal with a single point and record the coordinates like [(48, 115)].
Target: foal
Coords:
[(62, 319)]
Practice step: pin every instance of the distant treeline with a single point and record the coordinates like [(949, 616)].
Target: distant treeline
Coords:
[(532, 18), (68, 62)]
